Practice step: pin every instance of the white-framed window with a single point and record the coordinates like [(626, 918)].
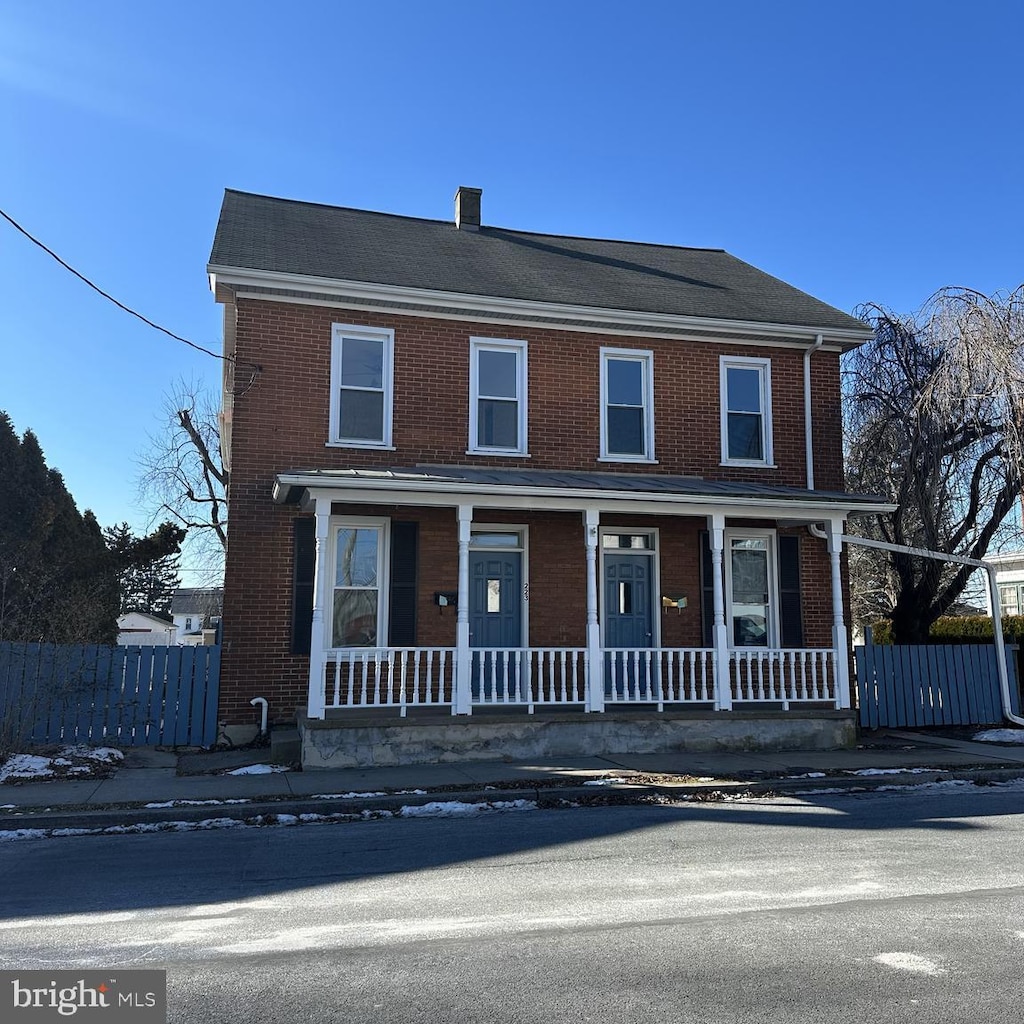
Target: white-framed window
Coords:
[(746, 399), (362, 386), (627, 405), (751, 589), (1011, 598), (497, 396), (188, 625), (358, 598)]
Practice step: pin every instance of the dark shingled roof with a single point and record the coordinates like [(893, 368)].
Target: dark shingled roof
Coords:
[(289, 237), (634, 483)]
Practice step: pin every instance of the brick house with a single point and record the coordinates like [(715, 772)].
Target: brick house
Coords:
[(485, 472)]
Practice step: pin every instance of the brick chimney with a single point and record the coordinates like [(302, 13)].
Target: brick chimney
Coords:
[(467, 208)]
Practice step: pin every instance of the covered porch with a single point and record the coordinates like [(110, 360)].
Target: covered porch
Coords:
[(647, 549)]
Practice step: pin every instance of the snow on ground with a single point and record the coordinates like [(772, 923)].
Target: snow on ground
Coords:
[(893, 771), (257, 769), (192, 803), (605, 782), (74, 761), (808, 775), (456, 808), (999, 736), (345, 796)]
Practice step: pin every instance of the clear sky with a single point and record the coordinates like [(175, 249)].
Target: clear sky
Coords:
[(861, 150)]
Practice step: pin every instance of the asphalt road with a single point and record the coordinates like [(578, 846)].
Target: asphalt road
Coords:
[(873, 908)]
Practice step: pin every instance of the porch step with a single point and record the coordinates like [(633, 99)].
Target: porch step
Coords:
[(285, 745)]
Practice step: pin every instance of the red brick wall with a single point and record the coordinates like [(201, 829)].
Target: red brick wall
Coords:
[(282, 422)]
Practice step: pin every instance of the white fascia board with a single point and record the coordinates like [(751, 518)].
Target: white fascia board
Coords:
[(380, 293), (450, 493)]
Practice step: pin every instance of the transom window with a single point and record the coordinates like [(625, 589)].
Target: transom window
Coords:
[(632, 541), (361, 386), (497, 396), (746, 411), (627, 403), (358, 554)]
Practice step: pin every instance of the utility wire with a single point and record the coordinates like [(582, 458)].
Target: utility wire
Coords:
[(121, 305)]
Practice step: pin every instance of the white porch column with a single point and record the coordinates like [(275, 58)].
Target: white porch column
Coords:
[(462, 703), (595, 661), (840, 644), (318, 632), (720, 631)]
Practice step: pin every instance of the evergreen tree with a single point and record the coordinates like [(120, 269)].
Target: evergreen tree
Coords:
[(58, 582), (147, 567)]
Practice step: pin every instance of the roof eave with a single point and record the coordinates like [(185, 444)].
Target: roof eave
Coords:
[(240, 278)]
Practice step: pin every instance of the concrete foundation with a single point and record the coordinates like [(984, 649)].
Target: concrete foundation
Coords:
[(376, 742)]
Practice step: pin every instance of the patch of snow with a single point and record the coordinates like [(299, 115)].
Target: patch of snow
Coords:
[(457, 808), (7, 807), (411, 792), (999, 736), (286, 819), (894, 771), (9, 835), (193, 803), (910, 962), (808, 775), (344, 796), (26, 766), (605, 782), (257, 769)]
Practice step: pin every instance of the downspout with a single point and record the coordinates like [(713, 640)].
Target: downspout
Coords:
[(808, 435), (997, 622)]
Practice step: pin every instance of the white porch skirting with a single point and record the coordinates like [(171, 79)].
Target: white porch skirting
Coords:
[(401, 678)]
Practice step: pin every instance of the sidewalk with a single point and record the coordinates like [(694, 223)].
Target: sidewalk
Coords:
[(150, 776)]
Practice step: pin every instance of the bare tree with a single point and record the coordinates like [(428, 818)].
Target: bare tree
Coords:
[(183, 474), (934, 423)]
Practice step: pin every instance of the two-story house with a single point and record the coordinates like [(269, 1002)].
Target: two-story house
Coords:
[(491, 473)]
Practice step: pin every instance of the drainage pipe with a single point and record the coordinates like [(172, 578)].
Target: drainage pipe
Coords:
[(808, 435), (941, 556), (263, 713)]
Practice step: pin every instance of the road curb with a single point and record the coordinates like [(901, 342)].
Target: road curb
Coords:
[(267, 811)]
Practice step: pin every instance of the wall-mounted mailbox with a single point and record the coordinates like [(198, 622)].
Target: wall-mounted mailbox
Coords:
[(679, 603)]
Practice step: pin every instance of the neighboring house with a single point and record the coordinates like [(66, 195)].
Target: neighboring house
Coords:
[(483, 469), (148, 630), (1010, 582), (195, 609)]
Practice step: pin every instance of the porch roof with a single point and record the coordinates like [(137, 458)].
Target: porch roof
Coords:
[(568, 489)]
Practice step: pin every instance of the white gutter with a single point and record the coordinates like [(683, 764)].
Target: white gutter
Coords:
[(997, 623), (808, 435), (240, 278)]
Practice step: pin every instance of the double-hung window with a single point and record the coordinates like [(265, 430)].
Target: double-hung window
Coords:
[(746, 395), (1010, 598), (497, 397), (627, 405), (361, 386), (356, 607)]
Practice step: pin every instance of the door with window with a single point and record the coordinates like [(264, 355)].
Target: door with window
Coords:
[(496, 621), (628, 620)]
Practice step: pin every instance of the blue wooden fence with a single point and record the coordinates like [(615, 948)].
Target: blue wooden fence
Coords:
[(931, 684), (128, 696)]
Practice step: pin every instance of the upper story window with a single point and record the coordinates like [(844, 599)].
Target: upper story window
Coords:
[(1011, 598), (361, 386), (497, 397), (746, 395), (627, 405)]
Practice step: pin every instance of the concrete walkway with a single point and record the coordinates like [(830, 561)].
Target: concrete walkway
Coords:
[(150, 776)]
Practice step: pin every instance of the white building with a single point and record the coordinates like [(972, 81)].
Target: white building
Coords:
[(139, 628)]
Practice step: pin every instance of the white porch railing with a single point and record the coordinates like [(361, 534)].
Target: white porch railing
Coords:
[(402, 677), (788, 677), (651, 675), (528, 676)]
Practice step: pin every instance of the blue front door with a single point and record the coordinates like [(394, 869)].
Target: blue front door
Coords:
[(495, 621), (628, 622)]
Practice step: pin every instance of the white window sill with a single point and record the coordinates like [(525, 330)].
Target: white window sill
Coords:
[(634, 459), (502, 452), (748, 465), (374, 446)]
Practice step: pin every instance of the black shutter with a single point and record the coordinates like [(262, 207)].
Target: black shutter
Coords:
[(402, 593), (790, 615), (303, 568), (707, 590)]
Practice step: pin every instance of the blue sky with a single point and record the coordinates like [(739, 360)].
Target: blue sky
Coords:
[(863, 151)]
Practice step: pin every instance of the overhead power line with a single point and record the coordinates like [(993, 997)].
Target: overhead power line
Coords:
[(120, 305)]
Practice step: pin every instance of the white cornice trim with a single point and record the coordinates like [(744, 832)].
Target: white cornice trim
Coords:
[(246, 279), (449, 493)]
